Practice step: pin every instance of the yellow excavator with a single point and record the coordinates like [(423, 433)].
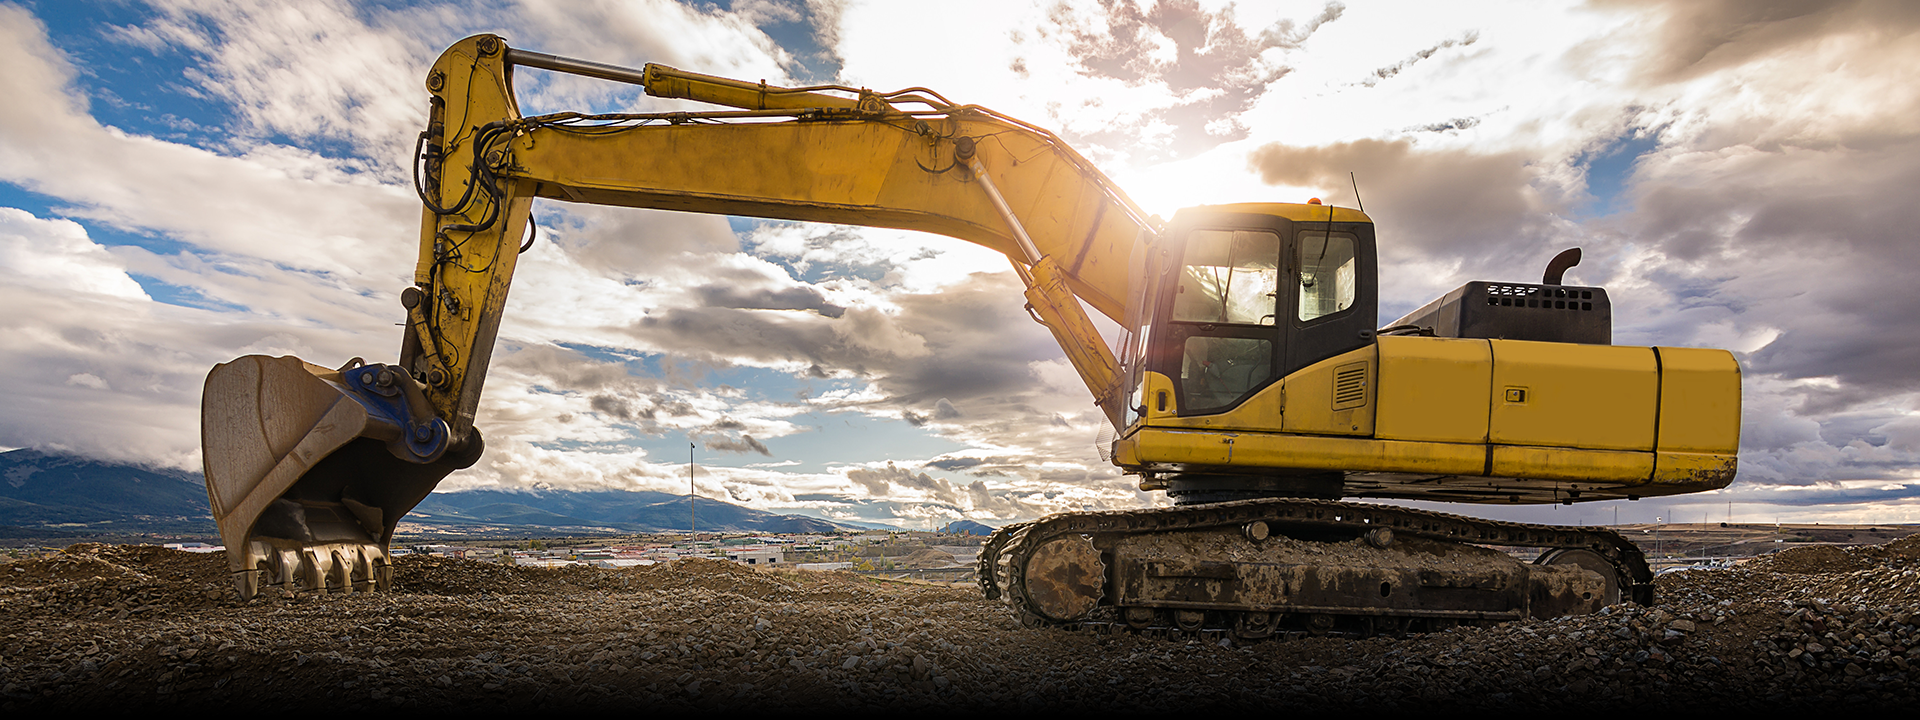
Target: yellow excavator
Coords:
[(1251, 383)]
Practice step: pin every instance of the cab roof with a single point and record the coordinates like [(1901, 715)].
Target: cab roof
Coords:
[(1297, 212)]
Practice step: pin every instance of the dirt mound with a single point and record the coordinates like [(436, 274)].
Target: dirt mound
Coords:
[(101, 627), (160, 562), (93, 579), (432, 575), (1822, 559), (1907, 548), (1809, 560), (928, 558), (720, 576), (64, 569)]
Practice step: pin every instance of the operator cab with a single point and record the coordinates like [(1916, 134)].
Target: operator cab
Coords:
[(1239, 296)]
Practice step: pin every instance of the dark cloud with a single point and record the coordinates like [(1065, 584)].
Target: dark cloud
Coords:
[(745, 444), (1428, 203), (994, 466), (675, 408), (880, 482), (724, 335), (568, 369), (969, 343), (618, 408), (1447, 126), (798, 297), (1423, 54), (1825, 240), (625, 242), (955, 463), (980, 345), (1703, 36), (1831, 494)]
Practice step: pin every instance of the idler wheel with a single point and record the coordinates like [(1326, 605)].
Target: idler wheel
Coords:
[(1065, 578), (1590, 561)]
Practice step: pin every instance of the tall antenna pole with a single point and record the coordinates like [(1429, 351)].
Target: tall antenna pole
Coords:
[(693, 526)]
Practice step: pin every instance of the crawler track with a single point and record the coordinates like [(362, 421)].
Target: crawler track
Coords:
[(1004, 560)]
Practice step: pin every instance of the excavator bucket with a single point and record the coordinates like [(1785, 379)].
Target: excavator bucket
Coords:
[(309, 469)]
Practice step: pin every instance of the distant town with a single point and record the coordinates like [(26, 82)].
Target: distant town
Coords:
[(907, 553)]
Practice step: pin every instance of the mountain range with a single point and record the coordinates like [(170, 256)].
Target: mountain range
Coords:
[(635, 511), (52, 495), (966, 527)]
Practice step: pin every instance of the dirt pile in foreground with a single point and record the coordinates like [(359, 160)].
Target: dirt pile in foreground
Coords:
[(131, 626)]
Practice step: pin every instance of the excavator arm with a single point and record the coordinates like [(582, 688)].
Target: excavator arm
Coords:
[(309, 469), (908, 160)]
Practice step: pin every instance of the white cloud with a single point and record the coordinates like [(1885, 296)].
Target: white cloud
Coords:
[(56, 256)]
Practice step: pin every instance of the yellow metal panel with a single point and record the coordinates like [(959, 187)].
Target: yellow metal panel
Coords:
[(1434, 389), (1297, 212), (1302, 403), (1697, 471), (1263, 411), (1269, 450), (1607, 466), (1600, 397), (1699, 401), (1159, 397), (1126, 451), (1310, 396), (668, 82)]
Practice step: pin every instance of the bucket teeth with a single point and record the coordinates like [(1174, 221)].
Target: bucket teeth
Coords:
[(329, 567), (309, 469)]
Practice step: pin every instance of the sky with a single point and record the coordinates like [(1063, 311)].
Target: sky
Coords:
[(186, 181)]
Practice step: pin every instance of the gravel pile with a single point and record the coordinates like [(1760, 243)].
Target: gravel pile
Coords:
[(119, 627)]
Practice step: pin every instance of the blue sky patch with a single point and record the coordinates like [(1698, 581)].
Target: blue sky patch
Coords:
[(1609, 169)]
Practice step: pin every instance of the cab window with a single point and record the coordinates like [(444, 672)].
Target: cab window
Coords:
[(1326, 263), (1230, 277)]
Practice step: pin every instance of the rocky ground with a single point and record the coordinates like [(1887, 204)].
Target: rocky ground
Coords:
[(138, 627)]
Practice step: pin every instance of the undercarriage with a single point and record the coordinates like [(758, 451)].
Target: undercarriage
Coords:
[(1256, 568)]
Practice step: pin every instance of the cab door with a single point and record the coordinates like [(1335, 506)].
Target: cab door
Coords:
[(1224, 315), (1333, 293)]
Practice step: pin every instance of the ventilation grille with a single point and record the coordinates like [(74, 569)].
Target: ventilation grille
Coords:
[(1538, 296), (1350, 386)]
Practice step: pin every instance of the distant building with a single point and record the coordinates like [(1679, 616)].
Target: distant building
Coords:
[(822, 567), (756, 556), (618, 563), (195, 547)]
